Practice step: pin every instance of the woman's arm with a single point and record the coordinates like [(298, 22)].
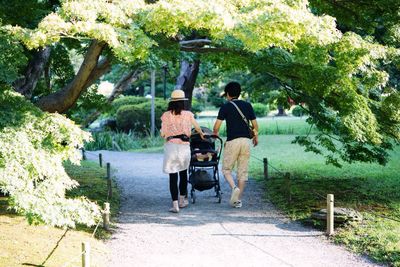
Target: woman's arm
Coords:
[(162, 134), (197, 127)]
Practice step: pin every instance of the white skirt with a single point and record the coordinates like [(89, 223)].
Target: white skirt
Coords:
[(176, 157)]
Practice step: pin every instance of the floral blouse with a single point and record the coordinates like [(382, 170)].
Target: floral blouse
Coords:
[(176, 124)]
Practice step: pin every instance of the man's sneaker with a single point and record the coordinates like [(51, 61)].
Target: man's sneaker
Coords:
[(234, 195), (237, 204)]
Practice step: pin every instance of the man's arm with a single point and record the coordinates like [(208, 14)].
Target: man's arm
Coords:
[(217, 125), (255, 127)]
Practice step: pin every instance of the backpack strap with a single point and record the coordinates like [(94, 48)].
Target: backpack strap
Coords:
[(241, 113)]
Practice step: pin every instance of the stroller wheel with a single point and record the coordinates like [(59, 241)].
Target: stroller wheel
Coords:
[(219, 196), (193, 196)]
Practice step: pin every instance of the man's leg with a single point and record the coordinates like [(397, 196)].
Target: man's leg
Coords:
[(243, 164), (229, 178), (241, 185), (231, 153)]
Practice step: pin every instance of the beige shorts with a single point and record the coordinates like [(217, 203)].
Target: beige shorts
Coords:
[(237, 151)]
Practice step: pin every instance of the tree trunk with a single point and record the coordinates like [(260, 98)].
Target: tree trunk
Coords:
[(34, 70), (123, 83), (47, 77), (118, 89), (281, 111), (187, 79), (88, 73)]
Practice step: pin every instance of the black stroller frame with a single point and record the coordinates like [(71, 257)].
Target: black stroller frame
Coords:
[(202, 148)]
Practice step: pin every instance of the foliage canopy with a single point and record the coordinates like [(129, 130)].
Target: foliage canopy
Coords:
[(33, 147)]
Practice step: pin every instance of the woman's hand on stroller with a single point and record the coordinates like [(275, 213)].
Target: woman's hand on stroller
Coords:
[(202, 135)]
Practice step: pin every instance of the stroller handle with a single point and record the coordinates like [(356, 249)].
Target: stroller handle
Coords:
[(208, 136), (213, 136)]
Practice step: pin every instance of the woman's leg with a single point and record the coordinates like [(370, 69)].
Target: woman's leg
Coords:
[(183, 183), (173, 186), (183, 202)]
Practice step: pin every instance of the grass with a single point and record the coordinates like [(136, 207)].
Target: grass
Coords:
[(27, 245), (93, 184), (271, 125), (122, 141), (369, 188)]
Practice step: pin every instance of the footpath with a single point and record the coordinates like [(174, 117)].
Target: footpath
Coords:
[(207, 233)]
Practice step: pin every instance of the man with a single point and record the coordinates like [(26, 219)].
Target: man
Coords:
[(237, 146)]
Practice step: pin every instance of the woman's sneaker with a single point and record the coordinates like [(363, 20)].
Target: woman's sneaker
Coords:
[(237, 204), (235, 195), (183, 202)]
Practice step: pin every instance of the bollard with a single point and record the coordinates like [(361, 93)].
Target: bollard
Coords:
[(329, 214), (288, 184), (85, 254), (83, 153), (101, 160), (265, 160), (106, 216), (109, 184), (108, 170)]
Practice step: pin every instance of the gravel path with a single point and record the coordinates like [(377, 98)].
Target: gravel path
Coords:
[(207, 233)]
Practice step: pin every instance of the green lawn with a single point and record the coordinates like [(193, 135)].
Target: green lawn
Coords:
[(369, 188), (271, 125), (286, 156)]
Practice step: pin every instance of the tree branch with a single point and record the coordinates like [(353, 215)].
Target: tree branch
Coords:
[(206, 49), (118, 89), (65, 98), (34, 70), (195, 43)]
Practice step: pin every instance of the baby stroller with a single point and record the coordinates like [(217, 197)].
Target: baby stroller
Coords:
[(203, 168)]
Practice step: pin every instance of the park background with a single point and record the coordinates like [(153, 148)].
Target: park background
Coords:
[(322, 76)]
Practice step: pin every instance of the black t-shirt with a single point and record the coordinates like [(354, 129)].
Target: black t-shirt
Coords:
[(235, 125)]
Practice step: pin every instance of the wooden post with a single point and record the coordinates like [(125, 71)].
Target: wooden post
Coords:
[(153, 96), (329, 214), (288, 184), (109, 184), (85, 254), (106, 216), (101, 160), (83, 153), (265, 160)]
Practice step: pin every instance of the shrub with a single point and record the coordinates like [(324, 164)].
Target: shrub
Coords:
[(122, 141), (260, 109), (197, 106), (137, 118), (215, 99), (298, 111), (127, 100), (34, 145)]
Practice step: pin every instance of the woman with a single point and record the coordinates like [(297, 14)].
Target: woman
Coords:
[(176, 125)]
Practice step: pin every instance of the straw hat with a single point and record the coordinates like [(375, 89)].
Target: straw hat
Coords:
[(177, 95)]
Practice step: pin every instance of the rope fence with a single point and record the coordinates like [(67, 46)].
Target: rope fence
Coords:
[(288, 178)]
